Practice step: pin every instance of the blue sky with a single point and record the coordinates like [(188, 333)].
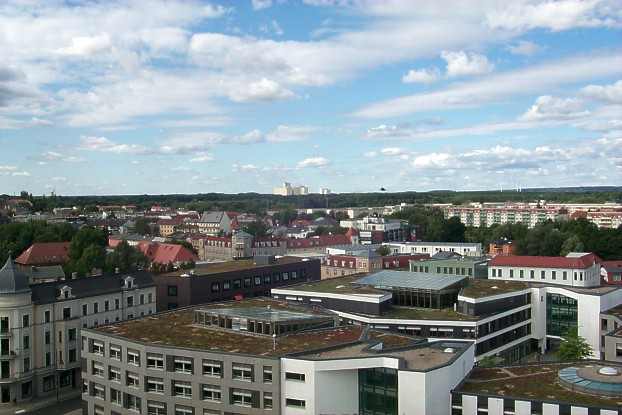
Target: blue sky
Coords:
[(132, 97)]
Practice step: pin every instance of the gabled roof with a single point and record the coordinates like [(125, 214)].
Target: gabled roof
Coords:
[(165, 253), (12, 280), (45, 253), (575, 262), (212, 217)]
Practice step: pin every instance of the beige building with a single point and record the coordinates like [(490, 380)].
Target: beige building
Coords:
[(40, 327)]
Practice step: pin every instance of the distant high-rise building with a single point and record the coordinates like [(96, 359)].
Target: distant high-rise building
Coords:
[(325, 191), (288, 190)]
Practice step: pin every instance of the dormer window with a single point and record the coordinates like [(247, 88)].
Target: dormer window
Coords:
[(128, 283), (65, 293)]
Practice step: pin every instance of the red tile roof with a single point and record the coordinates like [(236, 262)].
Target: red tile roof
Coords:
[(582, 262), (165, 253), (45, 253), (322, 240)]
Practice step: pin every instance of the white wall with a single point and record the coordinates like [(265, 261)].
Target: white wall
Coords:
[(590, 276), (337, 392)]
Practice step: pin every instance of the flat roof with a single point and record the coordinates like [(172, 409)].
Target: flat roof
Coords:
[(177, 329), (339, 285), (413, 280), (212, 268), (418, 357), (532, 382), (262, 313), (416, 313), (480, 288)]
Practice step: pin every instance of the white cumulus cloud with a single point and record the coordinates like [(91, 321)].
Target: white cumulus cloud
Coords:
[(547, 107), (262, 90), (313, 162), (608, 93), (422, 76), (466, 63)]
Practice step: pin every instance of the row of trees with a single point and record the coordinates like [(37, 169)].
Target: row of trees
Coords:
[(548, 238), (87, 248)]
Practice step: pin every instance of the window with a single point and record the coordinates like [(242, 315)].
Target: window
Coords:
[(156, 408), (182, 389), (155, 361), (300, 377), (511, 273), (66, 313), (115, 352), (267, 400), (242, 372), (237, 284), (521, 273), (26, 342), (114, 374), (247, 282), (182, 365), (211, 393), (500, 272), (215, 287), (564, 275), (132, 379), (133, 357), (211, 412), (99, 391), (46, 316), (266, 279), (98, 410), (212, 368), (116, 303), (184, 410), (241, 397), (97, 348), (618, 349), (295, 403), (116, 397), (257, 280), (142, 299), (130, 301), (553, 275), (97, 369), (542, 275), (172, 290), (95, 308), (26, 364), (267, 374), (155, 385), (106, 305), (133, 403), (25, 320), (150, 297), (73, 356), (72, 335), (48, 359)]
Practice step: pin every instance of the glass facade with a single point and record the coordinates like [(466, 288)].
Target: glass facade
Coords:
[(561, 314), (378, 391)]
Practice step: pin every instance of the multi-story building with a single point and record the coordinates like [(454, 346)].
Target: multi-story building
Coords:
[(238, 245), (472, 267), (264, 357), (501, 247), (40, 327), (432, 248), (575, 269), (288, 190), (375, 229), (363, 262), (611, 272), (232, 280), (487, 216), (212, 223), (505, 318)]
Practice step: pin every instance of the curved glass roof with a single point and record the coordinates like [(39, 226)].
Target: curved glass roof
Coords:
[(571, 376)]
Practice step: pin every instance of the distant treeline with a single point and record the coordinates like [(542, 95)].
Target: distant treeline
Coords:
[(259, 203)]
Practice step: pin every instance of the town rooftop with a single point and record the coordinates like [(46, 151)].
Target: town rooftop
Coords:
[(232, 266)]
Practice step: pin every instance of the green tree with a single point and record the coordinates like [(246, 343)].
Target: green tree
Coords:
[(93, 257), (141, 226), (572, 244), (257, 229), (383, 250), (573, 347), (87, 250), (125, 258)]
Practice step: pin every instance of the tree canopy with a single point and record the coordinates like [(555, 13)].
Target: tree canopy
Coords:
[(573, 347)]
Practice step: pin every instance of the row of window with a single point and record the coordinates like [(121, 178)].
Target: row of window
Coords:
[(498, 272), (211, 393), (117, 303), (247, 282)]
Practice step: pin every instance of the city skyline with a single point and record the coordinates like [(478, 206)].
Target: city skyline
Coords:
[(196, 96)]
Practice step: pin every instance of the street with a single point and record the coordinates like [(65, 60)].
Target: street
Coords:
[(69, 407)]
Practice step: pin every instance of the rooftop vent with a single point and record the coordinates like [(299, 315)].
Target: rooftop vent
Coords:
[(449, 350)]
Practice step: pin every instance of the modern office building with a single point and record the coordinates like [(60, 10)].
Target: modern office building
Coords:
[(586, 388), (508, 319), (232, 280), (264, 357), (432, 248), (40, 327)]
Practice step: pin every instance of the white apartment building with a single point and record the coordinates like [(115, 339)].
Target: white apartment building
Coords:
[(488, 216), (288, 190), (40, 327), (431, 248)]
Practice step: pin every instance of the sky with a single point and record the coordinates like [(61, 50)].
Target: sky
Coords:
[(190, 96)]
